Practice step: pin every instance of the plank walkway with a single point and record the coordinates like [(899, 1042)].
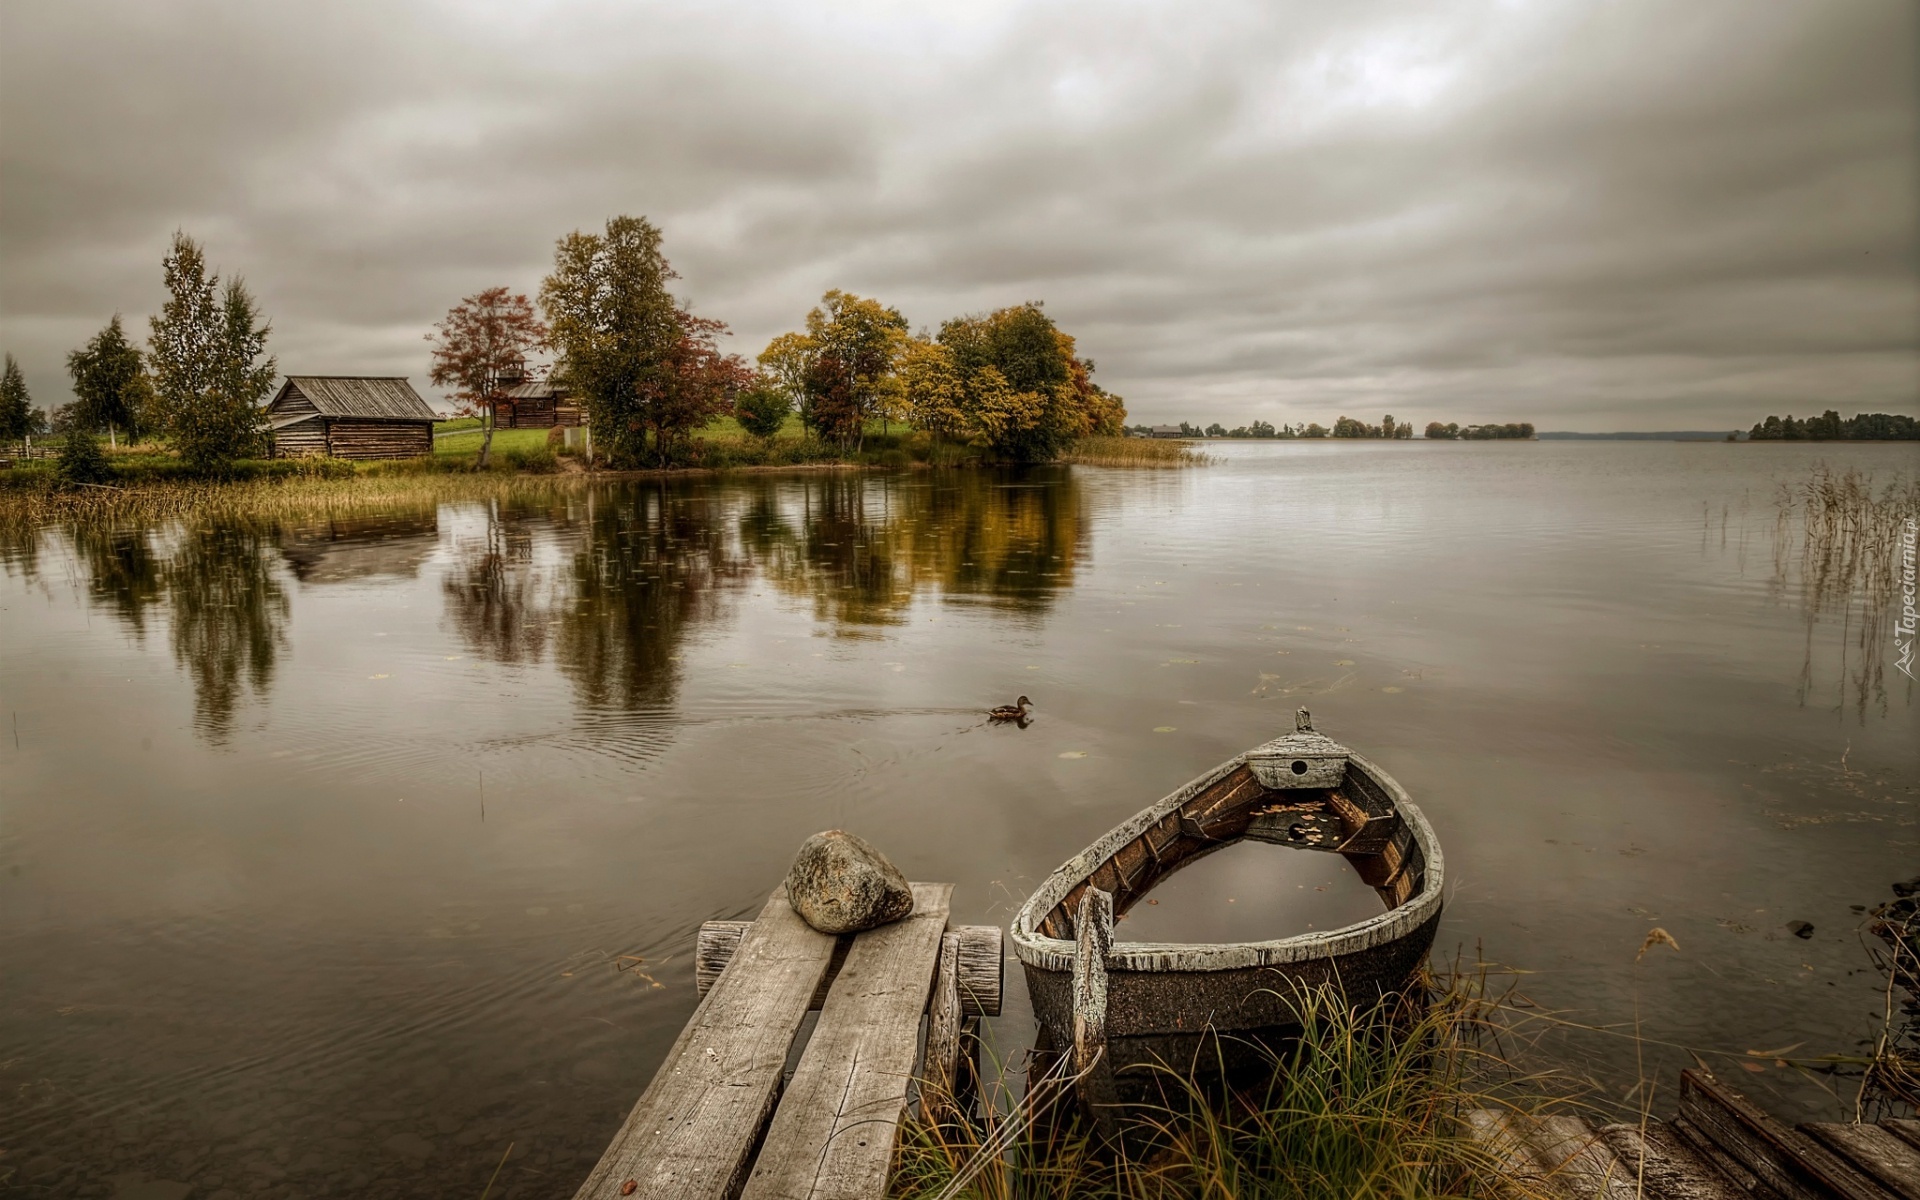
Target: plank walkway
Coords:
[(721, 1119), (1720, 1146)]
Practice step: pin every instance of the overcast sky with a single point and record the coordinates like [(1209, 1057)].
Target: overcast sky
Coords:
[(1591, 215)]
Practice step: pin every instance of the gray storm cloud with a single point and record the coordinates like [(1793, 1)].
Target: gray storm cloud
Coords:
[(1588, 215)]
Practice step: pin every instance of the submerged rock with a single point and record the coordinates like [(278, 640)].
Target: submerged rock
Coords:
[(1800, 929), (841, 884)]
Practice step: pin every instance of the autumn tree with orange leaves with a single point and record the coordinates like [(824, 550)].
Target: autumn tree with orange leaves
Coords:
[(485, 338)]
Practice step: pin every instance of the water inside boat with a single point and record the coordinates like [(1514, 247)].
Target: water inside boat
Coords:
[(1251, 892)]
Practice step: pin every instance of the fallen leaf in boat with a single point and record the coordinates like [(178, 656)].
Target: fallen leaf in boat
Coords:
[(1073, 754), (1755, 1067), (377, 677), (1393, 689), (1655, 937), (1164, 728), (629, 1187), (1150, 900)]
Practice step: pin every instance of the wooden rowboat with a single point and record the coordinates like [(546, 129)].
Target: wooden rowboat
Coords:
[(1111, 1005)]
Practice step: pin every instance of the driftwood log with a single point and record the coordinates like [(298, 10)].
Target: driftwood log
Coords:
[(979, 978)]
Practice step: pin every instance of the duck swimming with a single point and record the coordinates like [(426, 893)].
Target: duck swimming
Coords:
[(1017, 711)]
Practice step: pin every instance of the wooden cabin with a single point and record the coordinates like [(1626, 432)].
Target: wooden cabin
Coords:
[(349, 416), (534, 404)]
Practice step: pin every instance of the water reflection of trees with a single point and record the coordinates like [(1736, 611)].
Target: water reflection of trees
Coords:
[(654, 563), (609, 582), (217, 583), (229, 617), (860, 549), (494, 593), (124, 573), (629, 571)]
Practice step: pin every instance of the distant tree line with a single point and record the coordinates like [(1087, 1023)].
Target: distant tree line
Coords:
[(1479, 433), (1347, 427), (1830, 426)]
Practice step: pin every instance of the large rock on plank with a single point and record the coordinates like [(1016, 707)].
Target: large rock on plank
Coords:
[(841, 884)]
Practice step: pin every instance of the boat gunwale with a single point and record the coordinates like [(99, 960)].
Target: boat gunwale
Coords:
[(1055, 954)]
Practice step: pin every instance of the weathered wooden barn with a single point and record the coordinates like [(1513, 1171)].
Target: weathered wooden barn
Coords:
[(534, 404), (349, 416)]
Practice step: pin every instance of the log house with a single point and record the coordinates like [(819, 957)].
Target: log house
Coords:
[(349, 416)]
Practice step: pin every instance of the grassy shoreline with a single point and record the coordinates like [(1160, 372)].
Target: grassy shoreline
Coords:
[(155, 486), (1367, 1102)]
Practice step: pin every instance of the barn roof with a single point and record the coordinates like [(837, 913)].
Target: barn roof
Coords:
[(537, 389), (379, 397)]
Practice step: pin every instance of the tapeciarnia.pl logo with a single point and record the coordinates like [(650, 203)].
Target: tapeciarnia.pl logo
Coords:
[(1903, 629)]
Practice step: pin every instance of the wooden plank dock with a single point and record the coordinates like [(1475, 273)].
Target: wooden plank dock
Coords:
[(1719, 1146), (898, 1005)]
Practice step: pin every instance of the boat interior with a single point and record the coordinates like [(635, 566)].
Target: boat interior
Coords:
[(1355, 819)]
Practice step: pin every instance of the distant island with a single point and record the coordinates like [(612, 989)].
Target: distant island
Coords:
[(1830, 426), (1344, 427), (1658, 435)]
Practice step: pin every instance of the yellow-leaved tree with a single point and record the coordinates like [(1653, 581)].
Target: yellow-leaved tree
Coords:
[(1009, 381)]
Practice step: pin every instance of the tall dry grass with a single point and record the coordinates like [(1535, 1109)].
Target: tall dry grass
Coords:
[(27, 508), (1366, 1104), (1133, 452), (1837, 550)]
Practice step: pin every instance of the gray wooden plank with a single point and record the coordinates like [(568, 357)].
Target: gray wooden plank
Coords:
[(1704, 1148), (1892, 1163), (1905, 1128), (1664, 1167), (692, 1130), (982, 963), (1789, 1162), (717, 941), (1502, 1136), (940, 1082), (1569, 1149), (834, 1133)]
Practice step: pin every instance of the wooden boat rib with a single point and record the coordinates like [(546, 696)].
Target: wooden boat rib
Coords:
[(1302, 791)]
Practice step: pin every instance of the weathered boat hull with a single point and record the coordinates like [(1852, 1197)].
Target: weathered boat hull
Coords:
[(1163, 1001)]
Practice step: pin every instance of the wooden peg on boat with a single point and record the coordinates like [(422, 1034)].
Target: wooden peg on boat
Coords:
[(1093, 941)]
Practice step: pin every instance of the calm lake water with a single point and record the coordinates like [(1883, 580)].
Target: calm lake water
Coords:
[(336, 856)]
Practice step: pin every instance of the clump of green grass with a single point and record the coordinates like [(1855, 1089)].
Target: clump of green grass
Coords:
[(1134, 452), (1365, 1103)]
